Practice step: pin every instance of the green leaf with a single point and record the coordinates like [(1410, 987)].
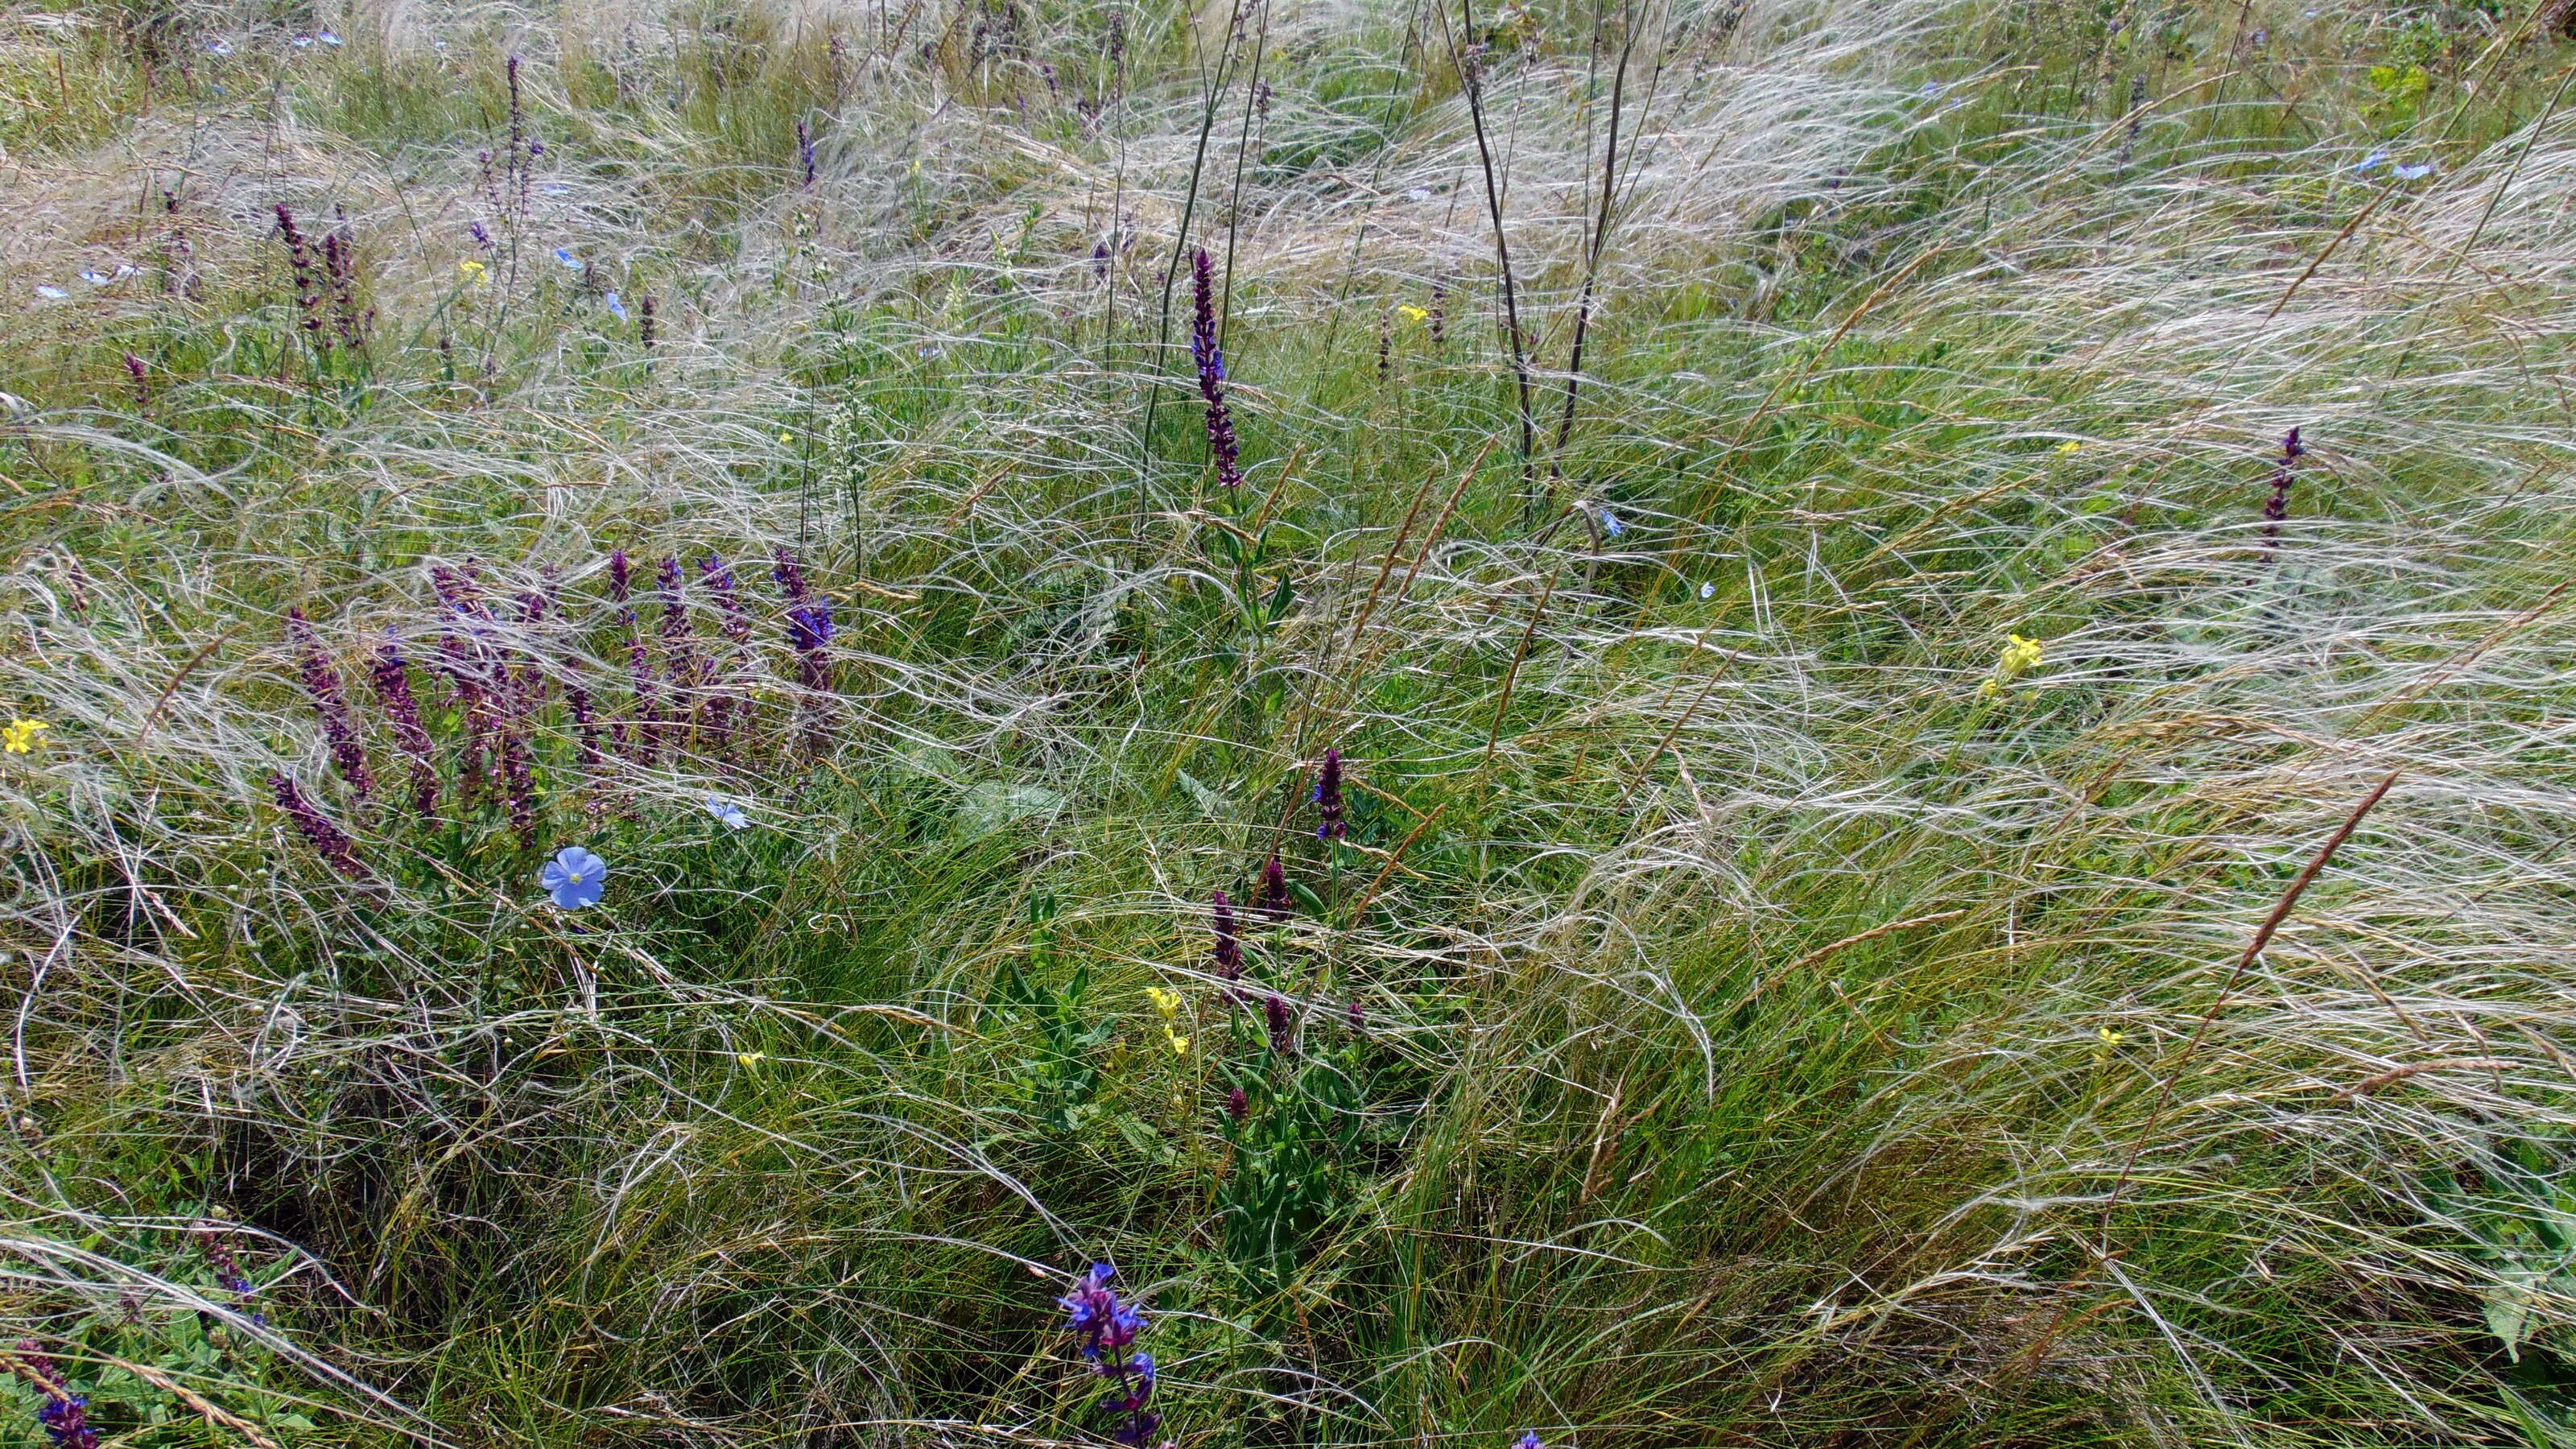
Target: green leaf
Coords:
[(2508, 1307)]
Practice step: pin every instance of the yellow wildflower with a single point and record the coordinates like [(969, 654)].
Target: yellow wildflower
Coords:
[(1166, 1002), (751, 1059), (1413, 314), (1180, 1043), (2109, 1037), (19, 738), (2069, 446), (2019, 657), (476, 274)]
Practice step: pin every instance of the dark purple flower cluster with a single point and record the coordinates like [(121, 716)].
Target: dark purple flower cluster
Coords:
[(2277, 507), (1228, 953), (64, 1414), (1271, 899), (463, 657), (1108, 1328), (805, 151), (393, 686), (736, 627), (323, 683), (809, 623), (1329, 807), (308, 277), (1210, 360), (679, 645), (641, 735), (328, 840), (1281, 1019), (219, 1256)]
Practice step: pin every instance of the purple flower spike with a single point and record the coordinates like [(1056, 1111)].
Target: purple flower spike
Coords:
[(1529, 1440), (1228, 953), (1281, 1018), (679, 645), (64, 1414), (1222, 449), (2276, 508), (323, 683), (1237, 1105), (393, 686), (720, 582), (809, 624), (1271, 900), (328, 840), (1107, 1328), (1328, 799)]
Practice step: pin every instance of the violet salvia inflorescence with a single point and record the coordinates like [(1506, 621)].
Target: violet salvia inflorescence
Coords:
[(809, 623), (338, 727), (328, 840), (411, 735), (679, 645), (1281, 1019), (1228, 952), (228, 1269), (1329, 807), (1204, 351), (1238, 1105), (340, 266), (1108, 1329), (644, 732), (465, 658), (2277, 507), (736, 628), (64, 1415), (142, 377), (308, 284), (1271, 899), (805, 151)]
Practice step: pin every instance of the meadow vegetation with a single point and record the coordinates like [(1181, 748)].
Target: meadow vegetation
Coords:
[(1649, 722)]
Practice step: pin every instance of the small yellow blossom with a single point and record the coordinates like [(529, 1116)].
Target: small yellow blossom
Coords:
[(1413, 314), (2069, 446), (476, 274), (1180, 1043), (1166, 1002), (788, 438), (19, 738), (751, 1059), (2109, 1037), (2019, 657)]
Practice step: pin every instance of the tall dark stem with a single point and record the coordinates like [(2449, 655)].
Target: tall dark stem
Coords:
[(1471, 79)]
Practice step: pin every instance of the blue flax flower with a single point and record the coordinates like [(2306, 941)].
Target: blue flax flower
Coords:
[(571, 263), (575, 878), (615, 307), (1529, 1440), (727, 811)]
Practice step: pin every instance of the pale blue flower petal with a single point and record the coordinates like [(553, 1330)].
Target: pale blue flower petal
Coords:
[(575, 878)]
